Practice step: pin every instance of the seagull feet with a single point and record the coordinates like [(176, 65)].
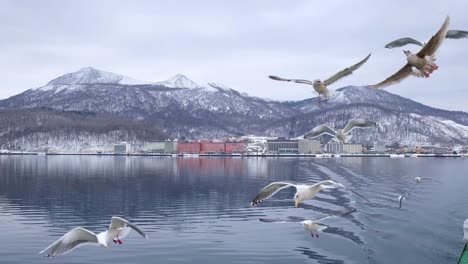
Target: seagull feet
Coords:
[(120, 242), (426, 75), (317, 235), (312, 234), (117, 241), (435, 67)]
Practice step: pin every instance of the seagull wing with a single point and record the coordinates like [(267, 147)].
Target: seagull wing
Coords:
[(329, 184), (436, 40), (395, 78), (456, 34), (270, 190), (75, 238), (276, 78), (358, 123), (318, 130), (118, 223), (402, 42), (338, 214), (347, 71)]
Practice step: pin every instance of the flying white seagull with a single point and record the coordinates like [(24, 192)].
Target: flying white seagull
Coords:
[(321, 87), (341, 134), (417, 180), (451, 34), (421, 64), (78, 236), (313, 226), (303, 191)]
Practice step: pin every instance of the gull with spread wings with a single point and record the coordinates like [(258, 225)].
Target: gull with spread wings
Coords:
[(321, 87), (403, 197), (78, 236), (451, 34), (303, 191), (341, 134), (421, 64)]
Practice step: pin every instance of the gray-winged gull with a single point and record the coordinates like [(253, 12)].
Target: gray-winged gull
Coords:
[(78, 236), (340, 134), (321, 87), (421, 64), (303, 191)]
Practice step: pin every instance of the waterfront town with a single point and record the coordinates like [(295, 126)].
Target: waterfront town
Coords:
[(261, 146)]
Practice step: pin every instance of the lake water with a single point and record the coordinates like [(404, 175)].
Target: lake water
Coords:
[(196, 210)]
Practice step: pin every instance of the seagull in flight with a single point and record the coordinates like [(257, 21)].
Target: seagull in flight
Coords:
[(321, 87), (451, 34), (340, 135), (421, 64), (78, 236), (417, 180), (313, 226), (303, 191)]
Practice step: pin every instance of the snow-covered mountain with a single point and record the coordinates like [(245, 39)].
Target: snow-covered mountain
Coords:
[(183, 108), (90, 75), (191, 111), (179, 81)]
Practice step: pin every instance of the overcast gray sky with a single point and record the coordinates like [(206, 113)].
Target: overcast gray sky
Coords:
[(237, 43)]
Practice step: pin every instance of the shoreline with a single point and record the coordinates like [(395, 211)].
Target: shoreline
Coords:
[(327, 155)]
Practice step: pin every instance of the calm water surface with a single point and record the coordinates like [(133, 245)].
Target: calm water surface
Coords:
[(196, 210)]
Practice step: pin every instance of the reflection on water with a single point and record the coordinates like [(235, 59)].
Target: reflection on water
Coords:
[(197, 209)]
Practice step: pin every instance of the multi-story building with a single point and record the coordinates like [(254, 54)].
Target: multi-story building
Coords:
[(308, 146), (334, 147), (282, 146), (212, 147), (122, 148), (234, 147), (160, 147), (352, 148), (188, 147)]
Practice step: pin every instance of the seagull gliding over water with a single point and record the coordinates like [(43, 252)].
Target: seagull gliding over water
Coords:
[(303, 191), (78, 236)]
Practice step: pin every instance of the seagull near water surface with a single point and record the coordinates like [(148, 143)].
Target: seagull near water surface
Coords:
[(313, 226), (340, 135), (401, 198), (321, 87), (78, 236), (303, 191)]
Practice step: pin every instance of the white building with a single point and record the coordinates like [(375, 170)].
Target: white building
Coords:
[(352, 148), (335, 147), (122, 148), (160, 147), (307, 146)]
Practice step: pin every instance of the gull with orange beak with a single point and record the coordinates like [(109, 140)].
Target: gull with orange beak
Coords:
[(303, 191)]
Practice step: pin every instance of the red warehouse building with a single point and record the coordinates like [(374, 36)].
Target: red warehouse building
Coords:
[(212, 147), (188, 147), (234, 147)]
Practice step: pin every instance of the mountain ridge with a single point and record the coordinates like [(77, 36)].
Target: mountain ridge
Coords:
[(215, 110)]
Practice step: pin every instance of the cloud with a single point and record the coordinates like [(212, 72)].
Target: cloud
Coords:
[(236, 43)]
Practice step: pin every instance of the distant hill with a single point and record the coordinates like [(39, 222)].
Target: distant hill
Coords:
[(27, 129)]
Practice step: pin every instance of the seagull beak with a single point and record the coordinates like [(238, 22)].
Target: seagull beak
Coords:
[(296, 204)]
